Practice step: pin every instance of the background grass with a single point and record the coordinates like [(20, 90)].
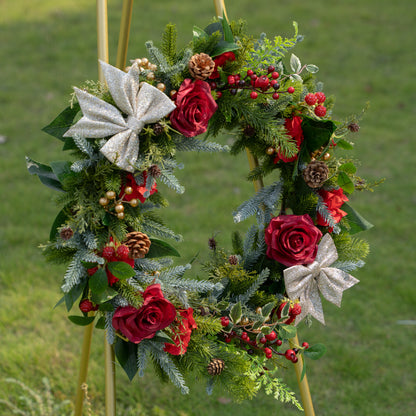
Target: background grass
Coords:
[(365, 51)]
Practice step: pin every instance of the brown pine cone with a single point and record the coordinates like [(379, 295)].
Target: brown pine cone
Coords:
[(138, 244), (315, 174), (201, 66), (215, 367), (66, 233), (155, 171)]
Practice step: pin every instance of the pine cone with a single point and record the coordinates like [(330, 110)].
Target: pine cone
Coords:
[(215, 367), (138, 244), (201, 66), (315, 174), (155, 171), (66, 233), (353, 127), (158, 129)]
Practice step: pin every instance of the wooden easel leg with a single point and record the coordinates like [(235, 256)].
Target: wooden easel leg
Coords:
[(110, 380)]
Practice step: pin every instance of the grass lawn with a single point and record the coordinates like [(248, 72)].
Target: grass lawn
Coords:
[(365, 51)]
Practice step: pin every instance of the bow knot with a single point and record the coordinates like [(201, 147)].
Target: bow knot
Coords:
[(307, 282), (134, 124)]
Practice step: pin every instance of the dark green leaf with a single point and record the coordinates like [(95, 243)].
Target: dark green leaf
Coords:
[(44, 173), (317, 133), (345, 182), (89, 265), (348, 168), (285, 310), (126, 353), (258, 324), (235, 313), (69, 144), (159, 248), (98, 282), (223, 46), (199, 33), (266, 309), (355, 220), (106, 307), (226, 29), (344, 144), (315, 351), (73, 295), (214, 27), (303, 370), (59, 220), (162, 337), (100, 323), (61, 169), (121, 270), (103, 296), (62, 123), (287, 331), (81, 320)]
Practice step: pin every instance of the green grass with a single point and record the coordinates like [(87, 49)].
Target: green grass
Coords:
[(365, 51)]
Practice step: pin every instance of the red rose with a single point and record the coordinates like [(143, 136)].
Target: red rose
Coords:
[(138, 190), (182, 333), (220, 60), (292, 239), (155, 314), (194, 108), (294, 130), (333, 200)]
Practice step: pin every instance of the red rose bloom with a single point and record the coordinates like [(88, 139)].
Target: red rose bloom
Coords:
[(138, 190), (220, 60), (155, 314), (292, 239), (334, 200), (294, 130), (194, 108), (182, 333)]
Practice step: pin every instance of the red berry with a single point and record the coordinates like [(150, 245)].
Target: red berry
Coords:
[(275, 96), (263, 340), (270, 69), (225, 321), (250, 72), (92, 271), (262, 82), (123, 252), (320, 110), (320, 96), (244, 335), (213, 85), (311, 99), (273, 82), (86, 305), (295, 360), (219, 94), (290, 355), (253, 95), (231, 79), (108, 253), (272, 336), (295, 310), (227, 340), (279, 342), (253, 77), (275, 75), (305, 345), (291, 90), (268, 351), (237, 77)]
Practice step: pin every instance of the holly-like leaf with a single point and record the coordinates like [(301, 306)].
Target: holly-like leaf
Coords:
[(315, 351), (98, 282), (126, 353), (313, 69), (356, 222), (317, 133), (159, 248), (285, 310), (81, 320), (44, 173), (236, 313), (266, 309), (287, 331), (121, 270), (345, 182), (58, 127), (295, 63)]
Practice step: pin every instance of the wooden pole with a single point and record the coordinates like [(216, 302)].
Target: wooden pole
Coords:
[(123, 38), (110, 380), (102, 35), (258, 184)]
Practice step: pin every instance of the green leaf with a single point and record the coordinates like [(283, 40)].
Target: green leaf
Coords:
[(199, 33), (344, 144), (100, 323), (126, 353), (104, 296), (295, 64), (348, 168), (315, 351), (317, 133), (106, 307), (313, 69), (287, 331), (345, 182), (159, 248), (355, 220), (226, 29), (61, 169), (223, 46), (89, 265), (303, 370), (266, 309), (81, 320), (121, 270), (59, 220), (58, 127), (44, 173), (72, 296), (258, 324), (285, 310), (163, 337), (235, 313), (98, 282)]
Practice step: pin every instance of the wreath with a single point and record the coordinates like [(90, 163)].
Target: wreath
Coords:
[(237, 327)]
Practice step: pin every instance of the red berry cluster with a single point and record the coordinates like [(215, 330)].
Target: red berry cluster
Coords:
[(266, 83), (110, 253), (294, 311), (316, 99)]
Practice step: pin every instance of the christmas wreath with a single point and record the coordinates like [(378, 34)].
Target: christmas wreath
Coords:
[(236, 327)]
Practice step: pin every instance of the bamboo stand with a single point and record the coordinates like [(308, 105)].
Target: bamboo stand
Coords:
[(258, 184)]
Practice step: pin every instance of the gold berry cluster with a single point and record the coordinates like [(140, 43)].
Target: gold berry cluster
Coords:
[(109, 201), (144, 65)]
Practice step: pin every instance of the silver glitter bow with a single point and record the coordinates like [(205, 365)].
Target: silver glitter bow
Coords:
[(305, 282), (142, 104)]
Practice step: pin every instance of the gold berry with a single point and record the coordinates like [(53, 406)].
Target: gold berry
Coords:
[(172, 93), (244, 321), (327, 156), (161, 86), (119, 208), (134, 202), (138, 61), (110, 194), (258, 310), (270, 150), (120, 215), (128, 190), (103, 201), (150, 76), (144, 62), (152, 67)]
